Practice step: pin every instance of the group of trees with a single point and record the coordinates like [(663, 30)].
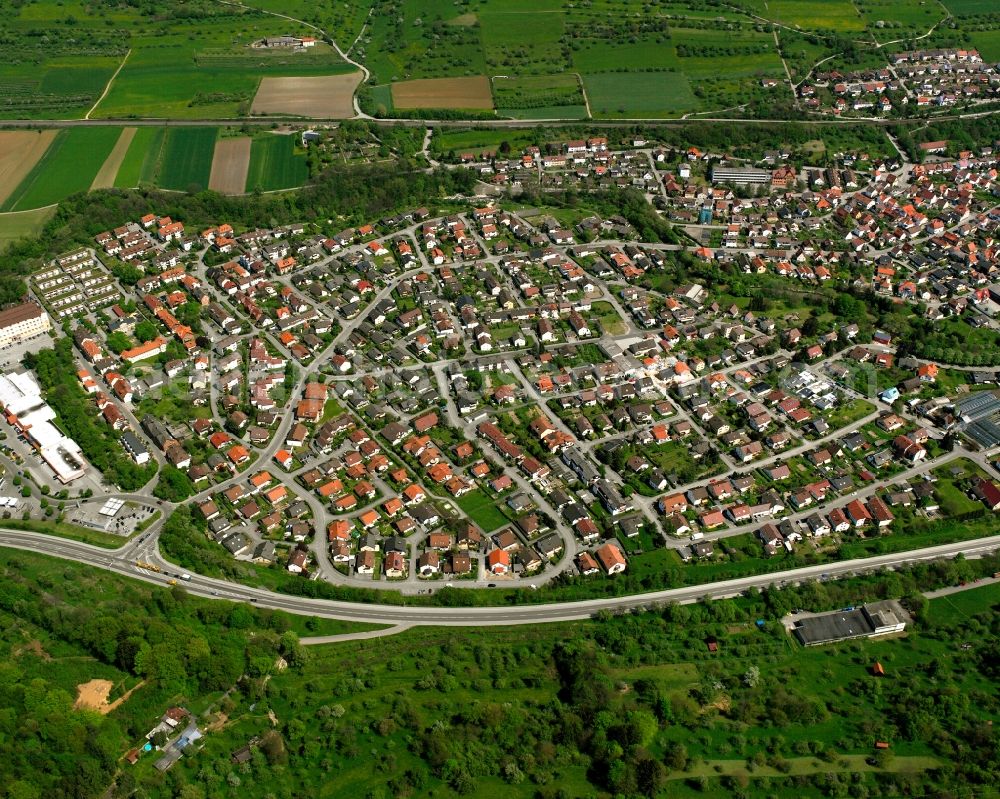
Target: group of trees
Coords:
[(56, 372), (179, 646)]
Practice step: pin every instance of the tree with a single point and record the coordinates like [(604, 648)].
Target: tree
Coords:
[(146, 331)]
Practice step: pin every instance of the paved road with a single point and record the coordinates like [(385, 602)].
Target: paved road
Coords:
[(463, 617)]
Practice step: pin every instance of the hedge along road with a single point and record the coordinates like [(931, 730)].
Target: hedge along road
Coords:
[(114, 561)]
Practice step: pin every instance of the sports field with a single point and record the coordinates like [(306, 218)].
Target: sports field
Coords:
[(456, 93), (229, 165), (186, 160), (19, 152), (105, 177), (274, 164), (68, 166), (324, 97)]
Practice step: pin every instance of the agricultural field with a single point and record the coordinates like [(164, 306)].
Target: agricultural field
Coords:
[(19, 152), (327, 96), (453, 93), (106, 176), (229, 165), (141, 160), (69, 165), (833, 15), (897, 19), (187, 158), (275, 164), (540, 97), (966, 7), (639, 94), (988, 44)]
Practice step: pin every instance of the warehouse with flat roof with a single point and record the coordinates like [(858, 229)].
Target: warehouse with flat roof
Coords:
[(868, 621), (740, 175)]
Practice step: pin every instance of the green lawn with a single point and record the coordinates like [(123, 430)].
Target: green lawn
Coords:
[(68, 166), (274, 164), (187, 158), (482, 510)]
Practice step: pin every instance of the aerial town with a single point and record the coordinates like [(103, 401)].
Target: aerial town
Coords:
[(488, 397)]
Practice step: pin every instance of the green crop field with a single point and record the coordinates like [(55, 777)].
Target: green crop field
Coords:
[(539, 97), (186, 160), (835, 15), (67, 167), (274, 164), (960, 7), (988, 44), (639, 94), (141, 159)]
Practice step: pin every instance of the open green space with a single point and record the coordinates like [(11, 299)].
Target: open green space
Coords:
[(18, 225), (142, 158), (969, 7), (275, 164), (539, 96), (187, 158), (834, 15), (482, 510), (68, 166), (641, 94), (988, 44)]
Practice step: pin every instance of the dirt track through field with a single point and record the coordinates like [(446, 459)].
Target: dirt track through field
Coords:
[(327, 96), (230, 164), (443, 93), (105, 178), (19, 152)]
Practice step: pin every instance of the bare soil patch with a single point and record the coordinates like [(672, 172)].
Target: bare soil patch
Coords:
[(35, 648), (462, 93), (105, 178), (19, 152), (324, 96), (230, 164), (93, 695)]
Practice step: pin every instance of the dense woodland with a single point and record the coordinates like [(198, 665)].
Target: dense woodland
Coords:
[(625, 706)]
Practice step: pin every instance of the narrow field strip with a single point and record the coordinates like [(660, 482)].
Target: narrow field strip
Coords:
[(105, 178)]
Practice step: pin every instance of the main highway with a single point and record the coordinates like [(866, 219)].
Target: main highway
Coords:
[(123, 562)]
